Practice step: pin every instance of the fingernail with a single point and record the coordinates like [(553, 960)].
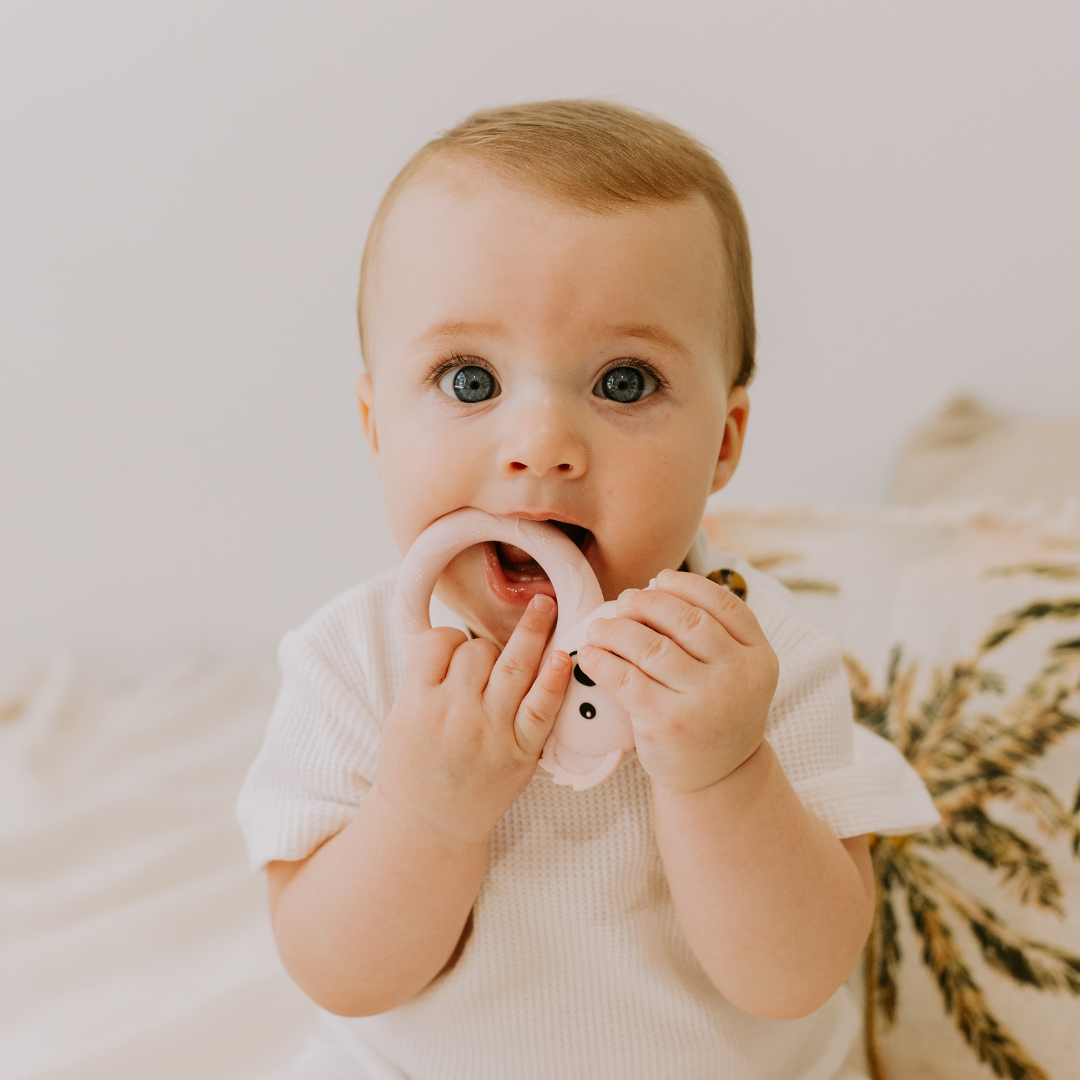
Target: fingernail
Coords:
[(542, 602), (559, 660), (595, 623), (665, 575), (624, 598)]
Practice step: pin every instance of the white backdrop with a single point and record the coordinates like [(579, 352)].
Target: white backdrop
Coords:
[(185, 189)]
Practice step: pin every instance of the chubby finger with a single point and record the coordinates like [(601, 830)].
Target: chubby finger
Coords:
[(537, 711), (733, 614), (472, 662), (429, 658), (638, 694), (693, 629), (653, 653), (515, 669)]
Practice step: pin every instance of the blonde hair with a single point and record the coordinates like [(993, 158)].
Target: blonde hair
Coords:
[(599, 157)]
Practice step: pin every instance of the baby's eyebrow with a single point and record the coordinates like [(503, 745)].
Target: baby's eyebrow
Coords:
[(451, 329), (650, 332), (455, 328)]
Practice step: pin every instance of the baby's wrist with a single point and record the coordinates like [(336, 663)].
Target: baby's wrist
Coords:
[(752, 770), (454, 837)]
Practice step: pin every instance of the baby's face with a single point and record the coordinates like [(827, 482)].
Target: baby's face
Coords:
[(549, 363)]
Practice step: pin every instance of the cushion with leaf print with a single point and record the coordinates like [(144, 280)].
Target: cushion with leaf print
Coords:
[(963, 640)]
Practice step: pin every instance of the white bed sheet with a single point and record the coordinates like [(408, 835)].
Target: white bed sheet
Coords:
[(134, 941)]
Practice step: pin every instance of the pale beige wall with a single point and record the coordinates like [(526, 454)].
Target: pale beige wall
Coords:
[(185, 189)]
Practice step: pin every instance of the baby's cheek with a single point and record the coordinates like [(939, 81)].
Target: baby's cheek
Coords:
[(417, 492), (645, 542)]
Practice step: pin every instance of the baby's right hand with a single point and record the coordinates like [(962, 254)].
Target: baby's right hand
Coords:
[(466, 732)]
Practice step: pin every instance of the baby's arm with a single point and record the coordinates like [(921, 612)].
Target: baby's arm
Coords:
[(371, 917), (773, 905), (775, 908)]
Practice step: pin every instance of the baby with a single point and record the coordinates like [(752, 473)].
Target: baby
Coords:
[(557, 323)]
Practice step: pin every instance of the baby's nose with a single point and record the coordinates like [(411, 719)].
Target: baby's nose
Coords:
[(544, 444), (521, 466)]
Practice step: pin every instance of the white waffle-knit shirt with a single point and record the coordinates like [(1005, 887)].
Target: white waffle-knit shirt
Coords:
[(577, 966)]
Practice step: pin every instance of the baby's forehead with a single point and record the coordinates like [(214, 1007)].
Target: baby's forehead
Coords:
[(480, 249), (467, 222), (586, 161), (468, 194)]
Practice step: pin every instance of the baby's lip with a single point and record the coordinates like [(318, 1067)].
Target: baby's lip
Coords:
[(577, 532), (517, 564), (520, 565), (512, 581), (514, 575)]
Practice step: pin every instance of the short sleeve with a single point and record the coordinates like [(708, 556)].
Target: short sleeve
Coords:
[(853, 780), (316, 763)]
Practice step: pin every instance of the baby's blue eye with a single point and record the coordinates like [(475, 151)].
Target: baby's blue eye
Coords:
[(469, 383), (625, 385)]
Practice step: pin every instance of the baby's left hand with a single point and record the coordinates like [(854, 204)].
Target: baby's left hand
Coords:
[(691, 665)]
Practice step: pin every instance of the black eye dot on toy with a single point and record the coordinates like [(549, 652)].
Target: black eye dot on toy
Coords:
[(580, 675), (587, 709)]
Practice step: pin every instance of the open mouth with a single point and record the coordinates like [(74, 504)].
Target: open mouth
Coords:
[(515, 576)]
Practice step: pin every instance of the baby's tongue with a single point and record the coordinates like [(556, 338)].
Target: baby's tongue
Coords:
[(518, 564)]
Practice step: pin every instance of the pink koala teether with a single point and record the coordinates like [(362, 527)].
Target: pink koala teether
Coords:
[(592, 731)]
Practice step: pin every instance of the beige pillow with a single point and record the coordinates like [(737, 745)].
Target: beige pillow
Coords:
[(969, 452), (963, 642)]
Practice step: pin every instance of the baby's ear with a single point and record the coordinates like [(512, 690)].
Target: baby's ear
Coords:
[(365, 398), (738, 412)]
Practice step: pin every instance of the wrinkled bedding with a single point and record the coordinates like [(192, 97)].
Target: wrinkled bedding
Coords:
[(134, 941)]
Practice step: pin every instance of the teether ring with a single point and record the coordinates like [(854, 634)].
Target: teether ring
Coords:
[(592, 731)]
